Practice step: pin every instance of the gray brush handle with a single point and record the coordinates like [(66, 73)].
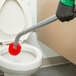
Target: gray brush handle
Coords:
[(41, 24)]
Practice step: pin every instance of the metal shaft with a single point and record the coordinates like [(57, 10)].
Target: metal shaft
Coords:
[(42, 23)]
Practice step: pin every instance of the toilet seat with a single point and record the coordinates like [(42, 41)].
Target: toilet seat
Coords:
[(22, 67), (6, 36)]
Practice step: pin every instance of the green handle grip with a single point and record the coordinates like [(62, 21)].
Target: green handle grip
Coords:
[(68, 2)]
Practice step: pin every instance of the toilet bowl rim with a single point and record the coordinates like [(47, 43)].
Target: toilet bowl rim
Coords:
[(22, 67)]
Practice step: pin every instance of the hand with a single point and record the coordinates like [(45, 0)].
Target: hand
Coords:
[(65, 13)]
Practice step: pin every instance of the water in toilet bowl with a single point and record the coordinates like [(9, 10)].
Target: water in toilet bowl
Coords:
[(23, 57)]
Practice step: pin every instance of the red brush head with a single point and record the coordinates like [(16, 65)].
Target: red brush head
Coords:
[(13, 51)]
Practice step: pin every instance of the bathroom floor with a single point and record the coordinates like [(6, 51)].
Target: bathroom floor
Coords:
[(61, 70)]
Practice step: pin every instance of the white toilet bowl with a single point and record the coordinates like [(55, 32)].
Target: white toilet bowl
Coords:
[(25, 64), (15, 16)]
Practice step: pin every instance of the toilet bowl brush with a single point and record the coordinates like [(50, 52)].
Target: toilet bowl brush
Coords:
[(15, 48)]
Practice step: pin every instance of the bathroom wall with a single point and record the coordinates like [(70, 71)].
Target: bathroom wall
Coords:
[(61, 37), (44, 11)]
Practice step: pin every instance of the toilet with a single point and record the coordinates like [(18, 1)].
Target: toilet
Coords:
[(15, 16)]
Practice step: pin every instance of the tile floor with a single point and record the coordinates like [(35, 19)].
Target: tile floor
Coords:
[(60, 70)]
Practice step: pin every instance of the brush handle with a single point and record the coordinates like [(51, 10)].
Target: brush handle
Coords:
[(41, 24)]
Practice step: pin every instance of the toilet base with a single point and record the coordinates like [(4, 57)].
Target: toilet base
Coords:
[(15, 75)]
